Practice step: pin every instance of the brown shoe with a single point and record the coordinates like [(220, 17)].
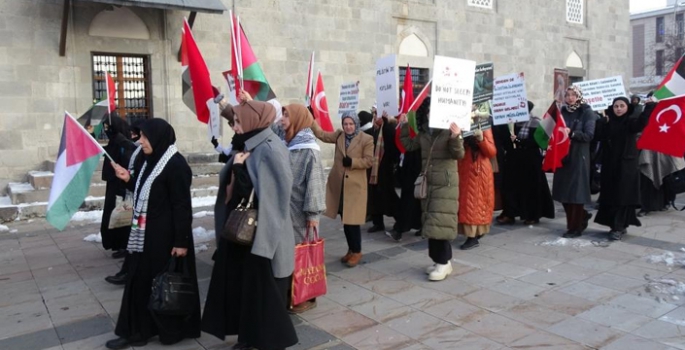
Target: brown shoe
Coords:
[(354, 259), (307, 305), (345, 258)]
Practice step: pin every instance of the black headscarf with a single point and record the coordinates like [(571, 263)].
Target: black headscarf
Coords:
[(629, 112), (161, 135), (115, 126)]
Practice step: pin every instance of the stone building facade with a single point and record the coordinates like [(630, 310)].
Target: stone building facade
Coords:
[(37, 84)]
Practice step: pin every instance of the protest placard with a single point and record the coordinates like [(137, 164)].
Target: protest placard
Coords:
[(482, 84), (452, 92), (214, 125), (349, 98), (509, 101), (600, 93), (560, 84), (386, 86)]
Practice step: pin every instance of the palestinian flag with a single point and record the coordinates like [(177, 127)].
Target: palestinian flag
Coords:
[(674, 82), (244, 65), (196, 83), (405, 102), (550, 136), (77, 159), (411, 113)]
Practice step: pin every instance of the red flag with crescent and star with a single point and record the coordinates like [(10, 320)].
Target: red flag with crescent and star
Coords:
[(559, 142), (665, 132), (320, 106)]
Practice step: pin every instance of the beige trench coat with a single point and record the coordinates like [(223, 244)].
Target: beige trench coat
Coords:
[(353, 180)]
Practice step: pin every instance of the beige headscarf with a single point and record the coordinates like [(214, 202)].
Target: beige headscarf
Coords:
[(255, 115), (300, 118)]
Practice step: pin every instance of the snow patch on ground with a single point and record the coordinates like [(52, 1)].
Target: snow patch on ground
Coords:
[(566, 242), (664, 288), (5, 201), (202, 214), (675, 321), (201, 248), (20, 187), (668, 258), (41, 173), (208, 201), (94, 216), (201, 235), (94, 237), (4, 228)]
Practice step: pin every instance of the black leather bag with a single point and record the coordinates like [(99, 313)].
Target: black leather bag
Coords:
[(241, 225), (173, 291), (674, 184)]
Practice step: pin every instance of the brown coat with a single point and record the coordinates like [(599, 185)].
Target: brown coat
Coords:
[(476, 184), (352, 180)]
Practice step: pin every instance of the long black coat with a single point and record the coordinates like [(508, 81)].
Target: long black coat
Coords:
[(525, 191), (169, 225), (120, 149), (572, 181), (620, 177), (383, 199)]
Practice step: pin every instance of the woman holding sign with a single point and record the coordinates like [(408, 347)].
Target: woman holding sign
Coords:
[(439, 151), (571, 184)]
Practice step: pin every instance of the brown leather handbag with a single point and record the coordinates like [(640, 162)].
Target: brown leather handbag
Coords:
[(241, 225), (421, 182)]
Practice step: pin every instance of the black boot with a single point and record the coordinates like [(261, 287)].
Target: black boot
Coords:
[(118, 279), (394, 234), (123, 343), (470, 243), (121, 253), (586, 222), (376, 228), (572, 234), (617, 235)]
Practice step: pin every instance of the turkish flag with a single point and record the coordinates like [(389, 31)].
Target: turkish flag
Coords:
[(559, 142), (320, 106), (665, 132)]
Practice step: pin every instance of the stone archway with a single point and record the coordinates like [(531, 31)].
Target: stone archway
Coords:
[(118, 22), (575, 67)]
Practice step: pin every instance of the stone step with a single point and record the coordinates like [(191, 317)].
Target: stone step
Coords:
[(25, 193), (43, 179)]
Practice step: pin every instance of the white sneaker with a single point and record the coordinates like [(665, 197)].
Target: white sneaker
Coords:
[(430, 269), (441, 272)]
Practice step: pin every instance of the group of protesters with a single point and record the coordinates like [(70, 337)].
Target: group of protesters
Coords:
[(440, 183)]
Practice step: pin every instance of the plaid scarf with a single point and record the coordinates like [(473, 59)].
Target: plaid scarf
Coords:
[(377, 156), (136, 240)]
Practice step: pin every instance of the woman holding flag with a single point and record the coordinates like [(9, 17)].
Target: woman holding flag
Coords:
[(571, 185), (620, 178)]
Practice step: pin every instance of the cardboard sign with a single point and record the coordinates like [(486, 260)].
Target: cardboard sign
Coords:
[(349, 99), (230, 88), (509, 101), (560, 85), (452, 92), (386, 86), (600, 93)]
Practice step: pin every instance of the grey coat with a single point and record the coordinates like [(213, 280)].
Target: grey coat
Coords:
[(572, 181), (308, 200), (270, 173)]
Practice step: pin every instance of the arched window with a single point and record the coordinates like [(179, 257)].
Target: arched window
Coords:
[(412, 45)]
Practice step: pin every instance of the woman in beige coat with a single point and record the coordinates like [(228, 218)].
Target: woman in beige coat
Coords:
[(347, 185)]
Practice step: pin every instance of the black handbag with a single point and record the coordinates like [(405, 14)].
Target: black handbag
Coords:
[(241, 225), (173, 291), (674, 184)]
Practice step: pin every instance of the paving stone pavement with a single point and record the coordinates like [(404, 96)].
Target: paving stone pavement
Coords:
[(523, 288)]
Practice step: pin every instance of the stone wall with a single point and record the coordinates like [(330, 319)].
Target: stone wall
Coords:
[(36, 84)]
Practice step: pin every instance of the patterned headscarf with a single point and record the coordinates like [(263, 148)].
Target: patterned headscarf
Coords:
[(355, 119), (579, 101)]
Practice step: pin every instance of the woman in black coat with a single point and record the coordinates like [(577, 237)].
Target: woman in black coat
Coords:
[(382, 199), (120, 148), (525, 191), (161, 229), (620, 178)]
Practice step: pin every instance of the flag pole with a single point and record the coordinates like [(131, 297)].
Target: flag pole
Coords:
[(86, 131), (239, 32), (420, 93)]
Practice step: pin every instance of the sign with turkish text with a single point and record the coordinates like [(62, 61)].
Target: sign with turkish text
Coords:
[(509, 101), (482, 84), (386, 86), (600, 93), (349, 98), (451, 92)]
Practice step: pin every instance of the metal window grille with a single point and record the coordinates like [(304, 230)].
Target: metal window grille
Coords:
[(131, 76), (419, 78), (481, 3), (574, 11)]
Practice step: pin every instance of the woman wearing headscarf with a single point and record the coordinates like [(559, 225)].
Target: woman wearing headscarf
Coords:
[(525, 191), (476, 187), (442, 148), (620, 177), (161, 229), (571, 184), (247, 294), (308, 199), (346, 188)]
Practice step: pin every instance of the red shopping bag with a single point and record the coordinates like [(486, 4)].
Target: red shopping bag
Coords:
[(309, 278)]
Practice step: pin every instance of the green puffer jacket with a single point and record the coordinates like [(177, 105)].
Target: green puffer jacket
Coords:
[(441, 207)]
